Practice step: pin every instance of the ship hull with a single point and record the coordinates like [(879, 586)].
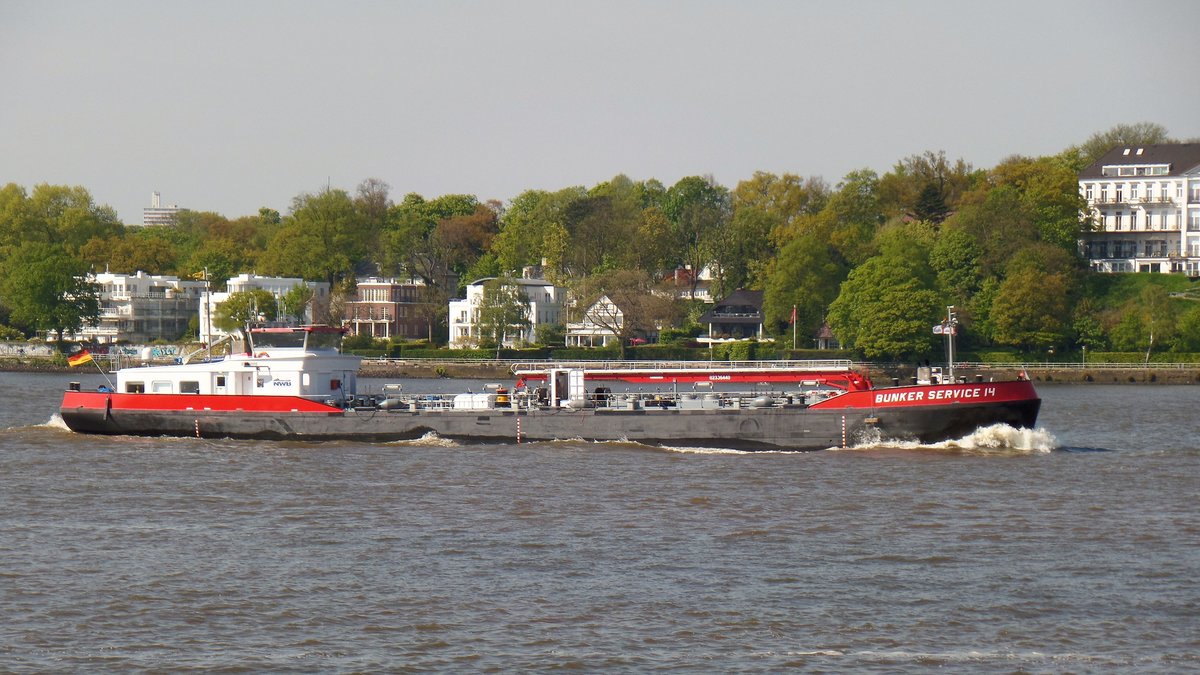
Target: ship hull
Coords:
[(926, 414)]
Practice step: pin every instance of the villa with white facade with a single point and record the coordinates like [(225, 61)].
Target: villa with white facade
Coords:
[(545, 308), (277, 286), (1145, 203)]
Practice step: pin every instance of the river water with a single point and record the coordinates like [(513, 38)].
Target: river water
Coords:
[(1075, 548)]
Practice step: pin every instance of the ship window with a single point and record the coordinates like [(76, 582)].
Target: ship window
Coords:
[(220, 380), (189, 387), (160, 386), (135, 387)]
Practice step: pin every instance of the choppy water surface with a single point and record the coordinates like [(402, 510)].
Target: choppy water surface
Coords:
[(1074, 548)]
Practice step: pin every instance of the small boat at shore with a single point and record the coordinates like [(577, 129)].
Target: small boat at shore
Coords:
[(293, 383)]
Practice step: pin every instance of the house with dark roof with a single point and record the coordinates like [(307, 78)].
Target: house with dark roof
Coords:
[(738, 316), (1144, 203)]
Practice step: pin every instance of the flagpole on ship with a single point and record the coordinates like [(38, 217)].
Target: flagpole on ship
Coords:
[(110, 384), (951, 329)]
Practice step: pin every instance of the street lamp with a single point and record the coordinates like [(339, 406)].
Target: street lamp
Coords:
[(1085, 355)]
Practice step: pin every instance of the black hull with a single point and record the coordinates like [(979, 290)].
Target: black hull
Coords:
[(787, 428)]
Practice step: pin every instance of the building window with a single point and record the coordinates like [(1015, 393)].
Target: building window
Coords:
[(1120, 194), (1194, 221), (1104, 192), (1133, 190), (1088, 192)]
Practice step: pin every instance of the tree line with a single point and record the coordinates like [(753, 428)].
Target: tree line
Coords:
[(877, 257)]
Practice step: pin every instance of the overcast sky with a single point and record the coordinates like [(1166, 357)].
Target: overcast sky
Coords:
[(230, 106)]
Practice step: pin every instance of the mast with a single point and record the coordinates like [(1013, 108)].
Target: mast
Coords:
[(950, 331)]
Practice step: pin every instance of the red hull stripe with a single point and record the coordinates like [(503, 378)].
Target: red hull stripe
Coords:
[(200, 402), (933, 395)]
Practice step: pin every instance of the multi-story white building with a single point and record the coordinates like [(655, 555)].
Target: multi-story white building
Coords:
[(158, 214), (141, 308), (545, 308), (1145, 203), (277, 286)]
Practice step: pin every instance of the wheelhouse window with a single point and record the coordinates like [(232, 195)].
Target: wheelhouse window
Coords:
[(135, 387), (189, 387)]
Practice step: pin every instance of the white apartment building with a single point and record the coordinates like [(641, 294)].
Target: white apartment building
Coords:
[(1145, 203), (277, 286), (158, 214), (545, 308), (141, 308)]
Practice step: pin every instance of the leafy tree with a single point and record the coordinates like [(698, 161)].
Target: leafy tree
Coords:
[(806, 276), (853, 215), (49, 291), (955, 260), (1188, 339), (322, 240), (1032, 310), (887, 306), (698, 210), (70, 215), (130, 253), (925, 186), (17, 221), (245, 307), (503, 312), (653, 249), (785, 199), (1148, 321), (296, 301), (742, 249), (1049, 196), (222, 258), (1139, 134), (637, 303), (999, 224)]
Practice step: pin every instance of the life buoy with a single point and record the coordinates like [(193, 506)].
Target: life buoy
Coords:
[(262, 355)]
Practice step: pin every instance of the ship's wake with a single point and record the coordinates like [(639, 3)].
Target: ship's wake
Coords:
[(994, 440), (429, 440), (55, 422)]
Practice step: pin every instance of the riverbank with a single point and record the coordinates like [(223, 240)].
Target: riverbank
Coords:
[(880, 374)]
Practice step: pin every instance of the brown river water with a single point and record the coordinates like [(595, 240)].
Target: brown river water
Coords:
[(1072, 548)]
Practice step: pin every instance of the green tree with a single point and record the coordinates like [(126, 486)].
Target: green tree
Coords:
[(806, 275), (637, 303), (245, 307), (887, 306), (323, 239), (698, 209), (503, 312), (1032, 310), (925, 186), (955, 260), (1139, 134), (1188, 339), (48, 291), (1147, 322), (296, 301)]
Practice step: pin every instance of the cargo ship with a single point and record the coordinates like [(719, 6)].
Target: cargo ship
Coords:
[(295, 384)]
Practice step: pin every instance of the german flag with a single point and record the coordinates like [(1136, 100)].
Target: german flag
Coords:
[(79, 359)]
